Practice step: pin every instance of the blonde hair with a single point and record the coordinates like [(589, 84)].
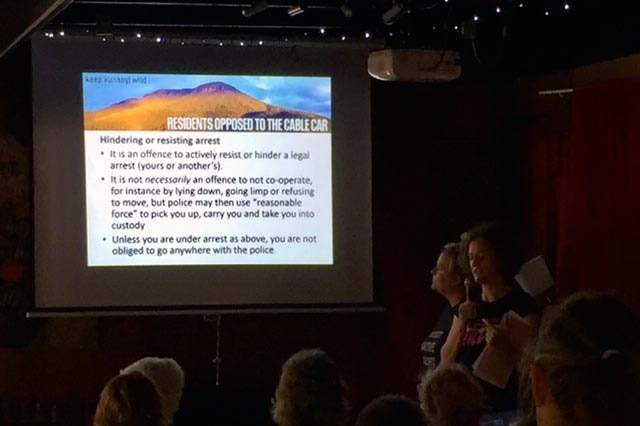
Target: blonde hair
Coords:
[(310, 391), (168, 378), (452, 251), (129, 400), (450, 396), (589, 349)]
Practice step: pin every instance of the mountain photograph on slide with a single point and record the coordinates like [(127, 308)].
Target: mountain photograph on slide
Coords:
[(117, 101)]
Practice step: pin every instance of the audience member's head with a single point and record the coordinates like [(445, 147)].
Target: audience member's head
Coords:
[(525, 399), (447, 276), (167, 376), (450, 396), (585, 364), (129, 400), (310, 392), (488, 254), (391, 410)]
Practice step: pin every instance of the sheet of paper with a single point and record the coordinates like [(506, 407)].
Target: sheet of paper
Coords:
[(534, 276), (495, 365)]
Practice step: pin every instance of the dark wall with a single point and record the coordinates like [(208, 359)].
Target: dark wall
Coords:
[(440, 164), (15, 94)]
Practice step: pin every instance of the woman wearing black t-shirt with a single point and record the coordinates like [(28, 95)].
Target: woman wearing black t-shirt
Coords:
[(447, 280), (487, 255)]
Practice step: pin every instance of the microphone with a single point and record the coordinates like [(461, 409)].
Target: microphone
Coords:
[(467, 286)]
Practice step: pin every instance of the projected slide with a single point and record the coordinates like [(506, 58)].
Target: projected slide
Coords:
[(207, 169)]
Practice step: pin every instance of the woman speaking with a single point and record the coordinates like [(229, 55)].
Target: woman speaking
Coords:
[(488, 255)]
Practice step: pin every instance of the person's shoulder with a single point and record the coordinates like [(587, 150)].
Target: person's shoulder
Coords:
[(446, 317), (521, 301)]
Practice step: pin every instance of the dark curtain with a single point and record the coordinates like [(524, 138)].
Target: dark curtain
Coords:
[(585, 192)]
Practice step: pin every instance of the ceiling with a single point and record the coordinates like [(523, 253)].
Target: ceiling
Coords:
[(503, 36)]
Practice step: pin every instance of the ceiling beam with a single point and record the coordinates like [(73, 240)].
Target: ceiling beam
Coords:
[(18, 19)]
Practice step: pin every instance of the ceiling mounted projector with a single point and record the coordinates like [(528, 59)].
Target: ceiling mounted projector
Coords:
[(417, 65)]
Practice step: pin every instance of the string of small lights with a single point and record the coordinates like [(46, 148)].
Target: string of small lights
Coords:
[(403, 23)]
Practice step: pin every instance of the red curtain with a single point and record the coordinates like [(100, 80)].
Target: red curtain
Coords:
[(585, 192)]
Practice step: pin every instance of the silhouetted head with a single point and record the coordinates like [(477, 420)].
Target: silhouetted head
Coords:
[(451, 396), (129, 400), (168, 377), (585, 363), (310, 391)]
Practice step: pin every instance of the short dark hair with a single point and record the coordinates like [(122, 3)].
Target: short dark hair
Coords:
[(589, 349), (391, 410), (129, 400)]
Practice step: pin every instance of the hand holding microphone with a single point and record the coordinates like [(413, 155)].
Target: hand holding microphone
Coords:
[(468, 309)]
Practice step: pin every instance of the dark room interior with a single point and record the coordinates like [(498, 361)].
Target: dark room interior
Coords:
[(539, 132)]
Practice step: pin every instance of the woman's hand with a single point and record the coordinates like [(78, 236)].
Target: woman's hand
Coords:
[(467, 311), (497, 337)]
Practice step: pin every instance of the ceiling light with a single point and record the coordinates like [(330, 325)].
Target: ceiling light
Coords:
[(296, 9), (255, 8)]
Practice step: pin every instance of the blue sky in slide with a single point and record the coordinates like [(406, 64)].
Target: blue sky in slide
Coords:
[(311, 94)]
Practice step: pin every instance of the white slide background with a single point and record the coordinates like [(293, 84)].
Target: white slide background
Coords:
[(196, 219)]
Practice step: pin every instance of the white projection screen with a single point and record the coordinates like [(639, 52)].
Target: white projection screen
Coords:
[(171, 176)]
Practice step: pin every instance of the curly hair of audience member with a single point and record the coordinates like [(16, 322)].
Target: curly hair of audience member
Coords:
[(451, 396), (310, 391)]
